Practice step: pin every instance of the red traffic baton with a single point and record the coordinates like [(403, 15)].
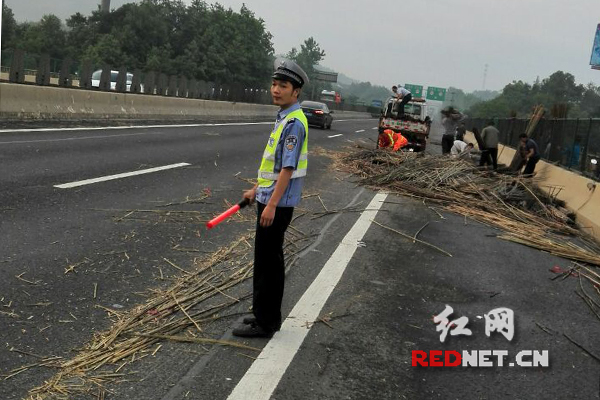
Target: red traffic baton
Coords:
[(222, 217)]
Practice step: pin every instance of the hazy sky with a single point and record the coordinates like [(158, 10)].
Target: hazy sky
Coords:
[(428, 42)]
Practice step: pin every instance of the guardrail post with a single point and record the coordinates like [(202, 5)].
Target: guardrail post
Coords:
[(182, 89), (42, 77), (217, 92), (105, 78), (201, 90), (150, 82), (17, 70), (122, 80), (172, 91), (584, 155), (572, 146), (227, 92), (85, 81), (161, 86), (209, 91), (64, 79), (238, 92), (136, 81)]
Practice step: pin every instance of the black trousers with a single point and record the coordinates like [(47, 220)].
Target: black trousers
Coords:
[(269, 268), (403, 102), (530, 166), (489, 157), (447, 143)]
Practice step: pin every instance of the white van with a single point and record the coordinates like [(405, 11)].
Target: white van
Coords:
[(113, 80)]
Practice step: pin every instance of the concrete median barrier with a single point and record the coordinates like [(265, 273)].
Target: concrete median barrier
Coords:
[(27, 102), (578, 192)]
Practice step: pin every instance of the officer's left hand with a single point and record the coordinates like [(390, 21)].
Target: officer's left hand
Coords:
[(267, 216)]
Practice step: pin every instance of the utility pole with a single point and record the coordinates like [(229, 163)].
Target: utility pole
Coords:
[(105, 7), (485, 72), (1, 9)]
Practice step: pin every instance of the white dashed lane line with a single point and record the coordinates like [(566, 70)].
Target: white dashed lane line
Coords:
[(359, 131), (332, 136), (119, 176)]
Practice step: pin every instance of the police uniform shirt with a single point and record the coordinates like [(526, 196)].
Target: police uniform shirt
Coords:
[(287, 155)]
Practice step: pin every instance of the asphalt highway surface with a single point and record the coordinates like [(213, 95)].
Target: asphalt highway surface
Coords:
[(80, 236)]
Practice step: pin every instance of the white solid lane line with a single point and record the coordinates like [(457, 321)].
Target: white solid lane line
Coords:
[(266, 371), (119, 176), (359, 131), (83, 138), (108, 128), (332, 136)]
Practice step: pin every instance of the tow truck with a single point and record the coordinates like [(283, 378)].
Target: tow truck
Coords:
[(414, 125)]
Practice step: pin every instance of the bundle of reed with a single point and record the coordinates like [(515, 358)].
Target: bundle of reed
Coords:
[(519, 161)]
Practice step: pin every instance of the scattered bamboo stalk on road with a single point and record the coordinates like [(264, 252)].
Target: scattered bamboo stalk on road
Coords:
[(419, 231), (172, 264), (582, 348), (188, 339), (413, 238), (191, 301)]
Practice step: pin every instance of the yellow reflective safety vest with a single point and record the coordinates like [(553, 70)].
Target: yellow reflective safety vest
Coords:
[(392, 142), (266, 172)]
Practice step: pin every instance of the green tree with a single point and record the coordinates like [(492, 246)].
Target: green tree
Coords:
[(46, 36), (107, 50), (457, 98), (208, 42), (9, 27), (560, 87), (308, 57), (364, 92), (80, 35), (558, 90), (590, 102)]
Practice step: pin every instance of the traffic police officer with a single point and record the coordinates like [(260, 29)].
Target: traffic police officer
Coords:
[(279, 189)]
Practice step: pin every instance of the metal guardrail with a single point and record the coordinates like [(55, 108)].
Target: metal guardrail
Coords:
[(571, 143), (25, 68), (21, 67)]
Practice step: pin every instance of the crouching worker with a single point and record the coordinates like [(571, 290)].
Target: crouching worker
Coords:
[(461, 149), (388, 139)]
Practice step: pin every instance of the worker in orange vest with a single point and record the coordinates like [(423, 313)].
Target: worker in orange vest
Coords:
[(390, 139)]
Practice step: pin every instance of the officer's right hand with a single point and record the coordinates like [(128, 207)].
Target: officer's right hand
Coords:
[(250, 195)]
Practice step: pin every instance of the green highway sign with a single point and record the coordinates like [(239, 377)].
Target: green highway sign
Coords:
[(416, 90), (436, 93)]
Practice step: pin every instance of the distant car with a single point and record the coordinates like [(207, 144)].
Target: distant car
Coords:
[(317, 114), (113, 79)]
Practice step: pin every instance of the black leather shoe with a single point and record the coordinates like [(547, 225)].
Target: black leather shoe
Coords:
[(249, 320), (252, 330)]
